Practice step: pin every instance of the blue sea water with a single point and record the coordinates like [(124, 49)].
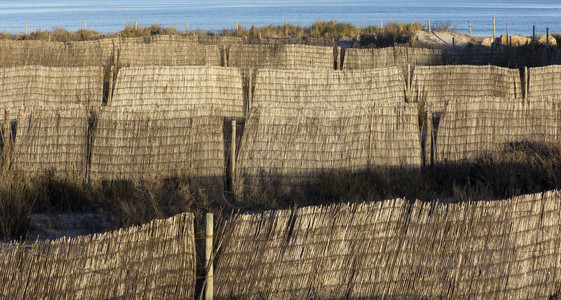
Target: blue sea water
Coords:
[(214, 15)]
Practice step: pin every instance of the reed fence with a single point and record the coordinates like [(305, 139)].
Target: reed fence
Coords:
[(281, 56), (165, 50), (395, 249), (544, 81), (436, 85), (296, 144), (51, 86), (356, 58), (155, 260), (473, 127), (308, 89), (166, 87), (44, 140), (56, 54), (504, 56), (131, 144)]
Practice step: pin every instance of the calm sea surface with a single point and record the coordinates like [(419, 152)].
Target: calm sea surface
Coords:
[(215, 15)]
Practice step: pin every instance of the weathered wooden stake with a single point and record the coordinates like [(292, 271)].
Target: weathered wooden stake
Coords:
[(25, 28), (507, 33), (285, 27), (249, 93), (533, 32), (493, 29), (526, 83), (224, 57), (408, 81), (469, 25), (547, 37), (453, 42), (428, 137), (233, 158), (186, 27), (209, 288), (135, 25), (429, 27), (110, 92), (85, 26), (381, 24), (237, 26)]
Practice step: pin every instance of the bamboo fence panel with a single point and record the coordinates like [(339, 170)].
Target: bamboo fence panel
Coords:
[(281, 56), (164, 50), (436, 85), (308, 89), (144, 145), (55, 54), (357, 59), (396, 249), (544, 81), (297, 145), (155, 260), (51, 86), (163, 87), (474, 127), (49, 140)]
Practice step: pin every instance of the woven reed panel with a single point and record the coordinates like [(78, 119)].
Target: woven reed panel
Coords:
[(157, 87), (166, 51), (51, 86), (396, 249), (136, 145), (281, 56), (438, 84), (544, 81), (356, 59), (477, 126), (206, 39), (155, 260), (298, 144), (307, 89), (49, 140), (477, 55), (55, 54)]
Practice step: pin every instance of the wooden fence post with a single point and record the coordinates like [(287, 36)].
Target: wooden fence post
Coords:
[(237, 26), (429, 27), (547, 38), (110, 92), (507, 35), (85, 28), (209, 288), (249, 94), (233, 150), (469, 25), (186, 27), (408, 83), (526, 83), (135, 25), (381, 24), (428, 137), (26, 28), (493, 29), (533, 32)]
